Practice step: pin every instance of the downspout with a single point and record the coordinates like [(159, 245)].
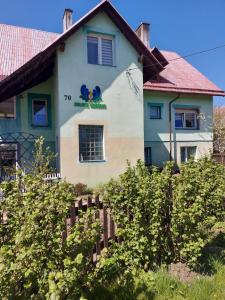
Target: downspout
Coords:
[(170, 122)]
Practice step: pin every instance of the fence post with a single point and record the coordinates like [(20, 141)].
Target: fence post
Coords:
[(105, 227), (97, 217), (111, 226), (73, 214)]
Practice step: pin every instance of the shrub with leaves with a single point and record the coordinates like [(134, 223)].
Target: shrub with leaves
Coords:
[(198, 203), (35, 262), (164, 217)]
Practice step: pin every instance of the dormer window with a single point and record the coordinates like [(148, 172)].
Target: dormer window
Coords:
[(100, 50)]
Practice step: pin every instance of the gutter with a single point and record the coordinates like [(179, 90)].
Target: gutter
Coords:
[(170, 123)]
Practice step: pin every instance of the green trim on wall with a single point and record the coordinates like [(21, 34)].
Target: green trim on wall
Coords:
[(90, 29), (186, 106), (182, 141), (31, 97), (155, 104)]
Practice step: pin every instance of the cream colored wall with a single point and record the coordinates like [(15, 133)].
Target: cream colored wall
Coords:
[(157, 131), (122, 120)]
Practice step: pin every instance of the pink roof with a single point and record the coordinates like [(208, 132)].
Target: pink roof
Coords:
[(18, 45), (181, 77)]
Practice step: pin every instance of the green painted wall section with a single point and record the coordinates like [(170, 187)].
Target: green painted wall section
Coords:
[(156, 131), (45, 88)]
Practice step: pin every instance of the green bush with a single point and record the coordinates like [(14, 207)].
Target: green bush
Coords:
[(164, 217), (159, 285), (35, 261)]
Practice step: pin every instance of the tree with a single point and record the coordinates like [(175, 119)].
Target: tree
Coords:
[(219, 131)]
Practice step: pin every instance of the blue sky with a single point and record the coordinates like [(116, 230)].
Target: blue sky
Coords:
[(183, 26)]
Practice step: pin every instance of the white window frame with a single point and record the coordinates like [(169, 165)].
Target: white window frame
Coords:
[(47, 120), (100, 37), (4, 117), (186, 153), (184, 112)]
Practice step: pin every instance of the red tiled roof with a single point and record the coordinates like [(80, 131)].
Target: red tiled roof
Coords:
[(41, 65), (181, 77), (18, 45)]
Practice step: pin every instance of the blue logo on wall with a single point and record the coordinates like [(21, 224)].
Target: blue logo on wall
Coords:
[(91, 98), (88, 95)]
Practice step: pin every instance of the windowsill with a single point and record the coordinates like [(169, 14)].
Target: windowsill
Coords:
[(155, 118), (100, 65), (5, 118), (177, 128), (92, 161), (40, 126)]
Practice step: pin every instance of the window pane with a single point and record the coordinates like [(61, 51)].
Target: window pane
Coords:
[(8, 157), (40, 113), (107, 52), (187, 153), (155, 112), (148, 156), (92, 47), (179, 120), (190, 120), (7, 108), (191, 152), (183, 154), (91, 142)]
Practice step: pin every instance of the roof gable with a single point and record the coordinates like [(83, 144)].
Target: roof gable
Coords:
[(40, 67)]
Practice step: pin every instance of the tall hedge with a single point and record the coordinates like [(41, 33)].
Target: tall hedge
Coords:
[(165, 217), (35, 261)]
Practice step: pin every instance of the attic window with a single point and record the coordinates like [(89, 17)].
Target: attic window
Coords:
[(100, 50), (8, 108)]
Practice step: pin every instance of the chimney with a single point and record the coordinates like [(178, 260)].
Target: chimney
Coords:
[(143, 32), (67, 19)]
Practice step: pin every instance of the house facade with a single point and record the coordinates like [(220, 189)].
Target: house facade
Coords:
[(100, 96)]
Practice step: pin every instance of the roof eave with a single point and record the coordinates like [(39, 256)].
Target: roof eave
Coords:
[(185, 91)]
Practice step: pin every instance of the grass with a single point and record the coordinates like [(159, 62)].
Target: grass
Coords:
[(209, 285), (204, 288)]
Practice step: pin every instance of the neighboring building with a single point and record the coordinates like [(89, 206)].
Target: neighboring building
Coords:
[(83, 91)]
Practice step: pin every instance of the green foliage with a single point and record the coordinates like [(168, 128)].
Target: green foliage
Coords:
[(44, 158), (159, 285), (35, 262), (161, 218), (164, 217)]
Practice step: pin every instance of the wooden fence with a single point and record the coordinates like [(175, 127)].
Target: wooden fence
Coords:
[(220, 158), (101, 213)]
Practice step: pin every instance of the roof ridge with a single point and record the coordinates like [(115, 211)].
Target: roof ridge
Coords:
[(28, 28)]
